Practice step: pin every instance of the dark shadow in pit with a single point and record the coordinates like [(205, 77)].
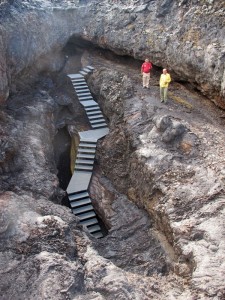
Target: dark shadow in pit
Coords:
[(62, 144), (76, 46)]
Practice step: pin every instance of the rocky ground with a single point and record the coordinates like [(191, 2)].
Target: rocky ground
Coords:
[(159, 177), (185, 36), (158, 186), (44, 252), (169, 160)]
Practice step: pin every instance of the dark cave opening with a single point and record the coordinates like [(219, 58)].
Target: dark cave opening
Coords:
[(62, 144), (77, 45)]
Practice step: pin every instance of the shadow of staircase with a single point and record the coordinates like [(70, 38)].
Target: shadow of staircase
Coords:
[(77, 189)]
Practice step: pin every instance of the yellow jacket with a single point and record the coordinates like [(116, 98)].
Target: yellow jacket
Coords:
[(164, 80)]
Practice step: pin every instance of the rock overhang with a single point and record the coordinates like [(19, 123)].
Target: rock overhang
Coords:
[(186, 48)]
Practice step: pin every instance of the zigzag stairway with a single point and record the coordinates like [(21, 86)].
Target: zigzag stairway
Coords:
[(77, 189)]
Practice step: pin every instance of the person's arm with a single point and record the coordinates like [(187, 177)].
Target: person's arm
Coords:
[(168, 79), (142, 69)]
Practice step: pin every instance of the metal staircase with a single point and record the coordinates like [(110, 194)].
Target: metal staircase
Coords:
[(77, 189)]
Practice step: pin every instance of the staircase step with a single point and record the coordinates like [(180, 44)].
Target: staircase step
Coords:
[(88, 140), (94, 228), (84, 162), (87, 145), (95, 117), (89, 103), (85, 93), (79, 84), (99, 125), (85, 89), (86, 70), (82, 101), (86, 150), (93, 108), (89, 222), (87, 215), (78, 80), (90, 68), (80, 202), (83, 168), (75, 76), (83, 73), (97, 235), (88, 156), (102, 120), (81, 87), (82, 209), (85, 98), (78, 196), (97, 112)]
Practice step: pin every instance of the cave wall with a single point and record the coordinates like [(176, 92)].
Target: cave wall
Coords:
[(185, 36), (31, 42)]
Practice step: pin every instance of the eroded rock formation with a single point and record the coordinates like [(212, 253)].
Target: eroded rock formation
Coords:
[(185, 36), (159, 180), (168, 165)]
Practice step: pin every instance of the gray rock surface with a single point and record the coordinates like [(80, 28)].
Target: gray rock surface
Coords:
[(167, 242), (169, 163), (185, 36), (44, 253)]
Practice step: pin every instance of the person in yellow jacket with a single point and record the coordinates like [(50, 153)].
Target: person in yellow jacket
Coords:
[(164, 83)]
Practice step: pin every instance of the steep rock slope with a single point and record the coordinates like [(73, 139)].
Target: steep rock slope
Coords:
[(44, 252)]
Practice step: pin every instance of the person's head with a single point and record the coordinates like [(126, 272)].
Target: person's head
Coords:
[(164, 71), (146, 60)]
